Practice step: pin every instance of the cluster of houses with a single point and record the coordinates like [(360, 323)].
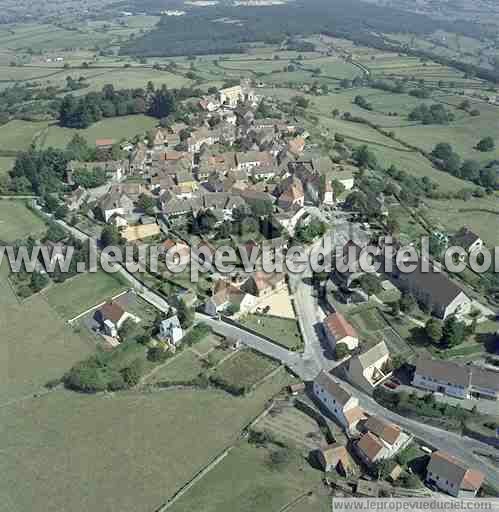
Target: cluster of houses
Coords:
[(374, 439), (188, 170)]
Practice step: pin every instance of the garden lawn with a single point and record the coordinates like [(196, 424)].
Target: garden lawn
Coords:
[(283, 330), (120, 452), (81, 292), (18, 221), (245, 482)]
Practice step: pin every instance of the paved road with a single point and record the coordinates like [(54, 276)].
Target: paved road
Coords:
[(147, 294)]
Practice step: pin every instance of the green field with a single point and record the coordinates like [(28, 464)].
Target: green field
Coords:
[(245, 369), (243, 481), (477, 214), (81, 292), (37, 345), (18, 135), (116, 128), (17, 221), (6, 163), (282, 330), (129, 451), (184, 367)]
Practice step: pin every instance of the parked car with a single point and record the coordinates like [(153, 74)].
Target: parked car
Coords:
[(390, 384)]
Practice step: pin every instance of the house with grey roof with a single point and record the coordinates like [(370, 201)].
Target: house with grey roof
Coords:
[(453, 476), (442, 296), (456, 380), (116, 201), (468, 240)]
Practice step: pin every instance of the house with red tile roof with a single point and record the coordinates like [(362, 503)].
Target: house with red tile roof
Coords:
[(338, 330)]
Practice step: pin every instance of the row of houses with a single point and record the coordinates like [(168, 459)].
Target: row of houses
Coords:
[(453, 379), (376, 439)]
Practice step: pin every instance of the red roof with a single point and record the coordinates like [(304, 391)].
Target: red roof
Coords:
[(339, 327), (112, 311), (104, 142)]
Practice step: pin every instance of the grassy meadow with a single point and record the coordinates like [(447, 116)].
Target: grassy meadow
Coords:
[(115, 128), (81, 292), (17, 221), (127, 451)]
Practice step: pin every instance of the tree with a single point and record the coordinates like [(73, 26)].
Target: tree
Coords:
[(434, 329), (364, 157), (132, 374), (38, 281), (341, 351), (147, 204), (486, 144), (407, 303), (111, 236), (370, 284), (185, 314), (453, 332), (442, 151), (128, 331)]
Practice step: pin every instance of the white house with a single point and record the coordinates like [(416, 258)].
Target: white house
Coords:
[(381, 440), (171, 331), (369, 369), (338, 330), (343, 406), (452, 476), (456, 380), (111, 317), (115, 202)]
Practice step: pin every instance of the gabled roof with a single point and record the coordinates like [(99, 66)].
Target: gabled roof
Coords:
[(441, 289), (335, 453), (452, 469), (388, 432), (444, 371), (465, 238), (339, 327), (112, 311), (370, 446), (373, 355), (333, 388)]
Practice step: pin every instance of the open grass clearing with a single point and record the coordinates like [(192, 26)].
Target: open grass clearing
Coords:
[(6, 164), (17, 221), (19, 135), (37, 346), (480, 214), (283, 330), (245, 369), (145, 445), (184, 367), (244, 481), (116, 128), (81, 292)]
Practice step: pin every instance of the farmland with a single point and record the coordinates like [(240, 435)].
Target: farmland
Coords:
[(17, 221), (19, 135), (111, 445)]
